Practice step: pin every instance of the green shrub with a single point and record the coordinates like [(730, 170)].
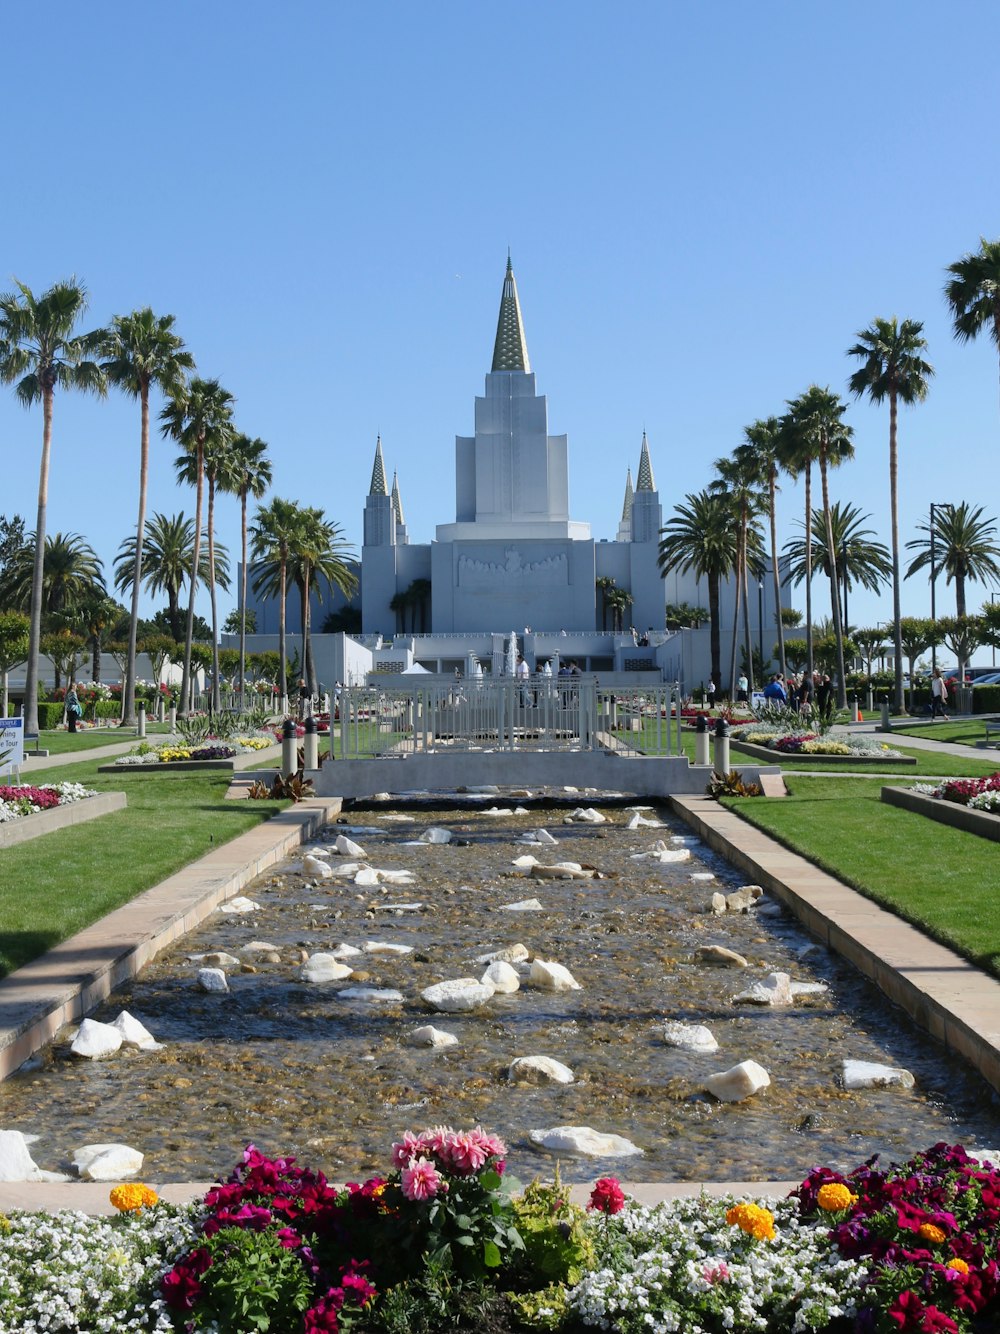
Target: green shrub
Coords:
[(49, 716), (107, 708), (986, 699)]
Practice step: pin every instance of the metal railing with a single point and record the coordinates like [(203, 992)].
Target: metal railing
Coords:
[(556, 714)]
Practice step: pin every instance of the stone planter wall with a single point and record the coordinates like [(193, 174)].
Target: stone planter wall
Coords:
[(60, 817), (821, 761), (983, 823)]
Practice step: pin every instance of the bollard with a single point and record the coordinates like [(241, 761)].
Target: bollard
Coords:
[(289, 749), (311, 745), (886, 725), (173, 717), (870, 701), (701, 740), (140, 727), (721, 764)]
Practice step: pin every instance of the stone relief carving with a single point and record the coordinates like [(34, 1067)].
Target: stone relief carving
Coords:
[(549, 571)]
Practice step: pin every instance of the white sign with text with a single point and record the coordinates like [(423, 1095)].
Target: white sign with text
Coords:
[(11, 744)]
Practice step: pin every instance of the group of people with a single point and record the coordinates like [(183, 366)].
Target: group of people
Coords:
[(799, 692)]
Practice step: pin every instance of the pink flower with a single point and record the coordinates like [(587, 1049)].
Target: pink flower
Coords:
[(435, 1138), (464, 1153), (410, 1146), (421, 1180), (716, 1273), (607, 1196)]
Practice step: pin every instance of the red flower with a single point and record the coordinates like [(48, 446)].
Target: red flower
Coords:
[(607, 1196)]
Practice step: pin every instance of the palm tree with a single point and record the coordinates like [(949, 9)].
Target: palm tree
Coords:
[(318, 550), (700, 536), (973, 292), (141, 352), (39, 354), (964, 547), (892, 367), (199, 412), (741, 479), (71, 573), (619, 599), (604, 584), (796, 456), (419, 595), (100, 617), (248, 474), (168, 556), (860, 558), (270, 540), (764, 438)]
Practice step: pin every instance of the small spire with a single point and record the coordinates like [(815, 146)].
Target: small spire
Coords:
[(378, 486), (397, 504), (510, 351), (629, 494), (645, 482)]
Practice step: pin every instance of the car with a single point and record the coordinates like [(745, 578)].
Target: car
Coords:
[(990, 679)]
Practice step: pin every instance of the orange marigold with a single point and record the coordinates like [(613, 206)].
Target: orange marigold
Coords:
[(751, 1218), (835, 1196), (958, 1264), (931, 1232), (132, 1196)]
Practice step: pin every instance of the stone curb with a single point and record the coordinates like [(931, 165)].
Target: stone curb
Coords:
[(946, 995), (60, 817), (831, 761), (235, 765), (983, 823), (68, 981)]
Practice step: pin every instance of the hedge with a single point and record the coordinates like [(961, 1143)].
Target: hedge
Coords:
[(49, 716)]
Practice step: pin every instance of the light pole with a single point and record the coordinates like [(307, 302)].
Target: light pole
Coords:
[(760, 623)]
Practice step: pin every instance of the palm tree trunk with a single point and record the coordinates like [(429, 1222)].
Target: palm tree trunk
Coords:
[(243, 595), (746, 606), (714, 628), (282, 646), (894, 521), (736, 620), (174, 613), (777, 578), (30, 710), (810, 667), (128, 690), (95, 659), (831, 553), (216, 685), (195, 557)]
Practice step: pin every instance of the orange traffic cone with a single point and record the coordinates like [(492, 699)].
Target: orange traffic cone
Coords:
[(857, 713)]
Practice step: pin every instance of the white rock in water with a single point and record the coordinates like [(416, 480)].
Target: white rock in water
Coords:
[(808, 988), (95, 1040), (395, 877), (740, 1082), (552, 976), (525, 863), (240, 904), (218, 959), (324, 968), (212, 979), (16, 1163), (135, 1034), (458, 995), (502, 977), (562, 871), (539, 1070), (585, 816), (583, 1140), (366, 876), (720, 957), (538, 836), (775, 989), (397, 818), (398, 907), (742, 899), (344, 951), (511, 954), (260, 947), (429, 1036), (435, 835), (107, 1162), (665, 856), (346, 847), (372, 995), (689, 1037), (498, 810), (523, 905), (384, 947), (871, 1075), (640, 822), (690, 839), (718, 903), (316, 866), (703, 876)]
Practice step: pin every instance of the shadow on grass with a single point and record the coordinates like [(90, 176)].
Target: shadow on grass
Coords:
[(19, 947)]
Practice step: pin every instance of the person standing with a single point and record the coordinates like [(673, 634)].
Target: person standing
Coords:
[(305, 699), (939, 693), (710, 692), (742, 686), (73, 709)]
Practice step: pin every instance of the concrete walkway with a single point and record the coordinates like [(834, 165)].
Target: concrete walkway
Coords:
[(34, 764)]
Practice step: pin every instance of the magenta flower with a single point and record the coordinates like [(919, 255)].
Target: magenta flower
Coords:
[(421, 1180), (607, 1197)]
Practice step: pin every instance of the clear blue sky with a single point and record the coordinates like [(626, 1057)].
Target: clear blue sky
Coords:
[(704, 204)]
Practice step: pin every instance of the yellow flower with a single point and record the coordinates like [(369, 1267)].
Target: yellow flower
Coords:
[(835, 1196), (4, 1225), (930, 1232), (959, 1266), (132, 1196), (751, 1218)]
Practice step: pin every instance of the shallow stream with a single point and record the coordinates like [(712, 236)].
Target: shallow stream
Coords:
[(298, 1070)]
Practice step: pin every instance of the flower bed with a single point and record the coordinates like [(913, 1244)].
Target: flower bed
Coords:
[(979, 794), (148, 754), (18, 802), (439, 1244)]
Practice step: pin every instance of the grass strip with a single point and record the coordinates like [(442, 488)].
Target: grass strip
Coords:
[(967, 732), (65, 743), (54, 886), (942, 880)]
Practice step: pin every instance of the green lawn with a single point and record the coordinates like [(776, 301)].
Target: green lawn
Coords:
[(940, 879), (60, 883), (64, 743), (967, 732)]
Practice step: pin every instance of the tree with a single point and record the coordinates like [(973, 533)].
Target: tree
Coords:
[(741, 480), (973, 293), (871, 643), (701, 537), (11, 539), (604, 584), (199, 412), (682, 616), (860, 558), (892, 367), (797, 653), (989, 620), (764, 437), (270, 537), (99, 617), (418, 597), (236, 621), (168, 555), (917, 634), (318, 550), (346, 620), (14, 628), (964, 547), (40, 354), (71, 573), (141, 352), (815, 420), (65, 649), (248, 474), (791, 618), (963, 635), (619, 600)]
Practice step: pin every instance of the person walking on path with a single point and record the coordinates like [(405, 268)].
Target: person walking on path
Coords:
[(73, 709), (742, 686), (939, 693)]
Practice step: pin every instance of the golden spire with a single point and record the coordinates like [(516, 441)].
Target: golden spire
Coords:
[(510, 351), (645, 482), (629, 493), (397, 504), (378, 486)]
